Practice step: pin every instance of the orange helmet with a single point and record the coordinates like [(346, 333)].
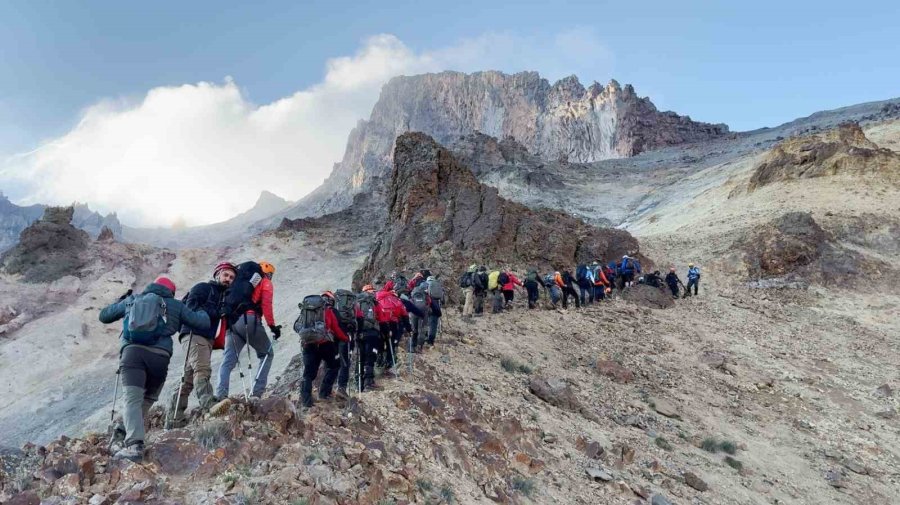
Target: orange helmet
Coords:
[(267, 268), (368, 287)]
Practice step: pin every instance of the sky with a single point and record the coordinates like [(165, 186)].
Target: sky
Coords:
[(164, 111)]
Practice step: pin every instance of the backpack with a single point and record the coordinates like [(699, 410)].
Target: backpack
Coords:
[(492, 280), (550, 280), (503, 279), (531, 276), (466, 280), (344, 305), (401, 284), (419, 296), (581, 273), (435, 289), (478, 281), (145, 314), (310, 325), (366, 302), (239, 297)]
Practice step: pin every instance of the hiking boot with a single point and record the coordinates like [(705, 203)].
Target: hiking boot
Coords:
[(372, 387), (134, 452), (340, 395)]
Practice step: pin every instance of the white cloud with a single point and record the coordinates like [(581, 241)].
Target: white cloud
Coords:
[(203, 152)]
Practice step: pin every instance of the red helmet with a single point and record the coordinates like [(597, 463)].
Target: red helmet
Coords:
[(328, 294)]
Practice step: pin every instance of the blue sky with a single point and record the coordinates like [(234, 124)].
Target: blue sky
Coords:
[(748, 64)]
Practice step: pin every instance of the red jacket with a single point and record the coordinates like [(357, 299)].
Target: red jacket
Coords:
[(391, 305), (333, 326), (262, 296), (513, 282)]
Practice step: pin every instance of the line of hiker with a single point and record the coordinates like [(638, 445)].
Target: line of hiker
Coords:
[(343, 328), (225, 313), (591, 283)]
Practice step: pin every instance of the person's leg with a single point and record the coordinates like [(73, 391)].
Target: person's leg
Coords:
[(433, 325), (343, 377), (371, 342), (233, 346), (134, 383), (201, 360), (180, 398), (265, 353), (469, 306), (331, 358), (696, 286), (416, 323), (157, 366), (479, 303), (311, 361)]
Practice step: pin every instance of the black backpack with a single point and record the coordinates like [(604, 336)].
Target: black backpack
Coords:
[(419, 296), (344, 304), (503, 279), (239, 297), (310, 325), (400, 283), (366, 302), (480, 281), (466, 280), (532, 276)]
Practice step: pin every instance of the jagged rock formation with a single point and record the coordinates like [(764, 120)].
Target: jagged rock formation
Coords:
[(441, 217), (48, 249), (106, 235), (561, 121), (844, 150), (15, 218)]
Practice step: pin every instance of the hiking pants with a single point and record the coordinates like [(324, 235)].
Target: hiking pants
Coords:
[(389, 341), (532, 288), (246, 328), (313, 356), (496, 302), (369, 342), (674, 288), (554, 294), (469, 306), (693, 282), (568, 291), (433, 318), (479, 302), (418, 326), (345, 363), (586, 293), (509, 295), (143, 372), (197, 373), (599, 293)]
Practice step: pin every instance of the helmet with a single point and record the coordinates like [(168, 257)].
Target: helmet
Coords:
[(329, 297), (225, 265), (625, 257), (690, 264), (672, 269), (267, 268), (368, 287)]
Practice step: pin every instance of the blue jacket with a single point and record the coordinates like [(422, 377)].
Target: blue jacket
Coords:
[(176, 315), (693, 273)]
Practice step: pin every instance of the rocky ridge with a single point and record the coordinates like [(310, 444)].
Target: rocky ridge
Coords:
[(442, 218)]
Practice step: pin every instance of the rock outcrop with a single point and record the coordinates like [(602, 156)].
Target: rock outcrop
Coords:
[(48, 249), (561, 121), (441, 217), (843, 151), (15, 218)]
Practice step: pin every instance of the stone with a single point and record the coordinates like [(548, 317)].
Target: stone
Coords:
[(665, 408), (68, 485), (99, 499), (884, 391), (176, 452), (695, 482), (855, 467), (614, 371), (591, 449), (598, 474), (835, 478), (24, 498), (713, 359), (659, 499), (221, 408), (887, 414), (556, 392)]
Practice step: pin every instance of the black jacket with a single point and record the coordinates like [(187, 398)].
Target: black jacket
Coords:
[(480, 282), (208, 297), (672, 279)]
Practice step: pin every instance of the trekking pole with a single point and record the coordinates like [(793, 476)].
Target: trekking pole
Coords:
[(391, 348), (262, 363), (359, 366), (112, 414), (409, 356), (187, 354), (237, 357)]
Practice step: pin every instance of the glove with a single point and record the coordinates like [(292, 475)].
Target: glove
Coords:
[(126, 295), (276, 331)]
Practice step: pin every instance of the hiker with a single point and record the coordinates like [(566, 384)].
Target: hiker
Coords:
[(673, 281), (348, 314), (600, 281), (247, 304), (532, 282), (508, 287), (567, 281), (611, 274), (627, 268), (417, 305), (494, 291), (467, 283), (369, 340), (436, 295), (320, 326), (150, 320), (199, 344), (693, 279), (479, 289), (584, 278), (393, 307), (401, 283), (553, 284), (413, 283)]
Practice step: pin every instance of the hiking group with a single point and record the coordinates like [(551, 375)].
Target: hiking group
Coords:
[(591, 282), (228, 313)]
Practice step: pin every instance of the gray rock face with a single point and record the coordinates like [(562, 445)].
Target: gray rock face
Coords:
[(561, 121), (14, 219)]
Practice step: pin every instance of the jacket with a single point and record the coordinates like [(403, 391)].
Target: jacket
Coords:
[(599, 277), (480, 282), (333, 325), (411, 308), (568, 279), (672, 279), (208, 297), (262, 298), (177, 314), (557, 278), (513, 282), (693, 273)]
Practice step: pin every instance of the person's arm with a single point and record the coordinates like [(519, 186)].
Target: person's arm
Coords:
[(196, 319), (113, 313), (332, 325), (266, 297)]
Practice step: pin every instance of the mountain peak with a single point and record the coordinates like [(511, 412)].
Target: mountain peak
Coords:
[(267, 198)]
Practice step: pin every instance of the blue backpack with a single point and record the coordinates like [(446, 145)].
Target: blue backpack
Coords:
[(145, 318)]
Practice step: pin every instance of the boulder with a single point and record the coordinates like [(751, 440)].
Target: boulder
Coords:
[(614, 371)]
